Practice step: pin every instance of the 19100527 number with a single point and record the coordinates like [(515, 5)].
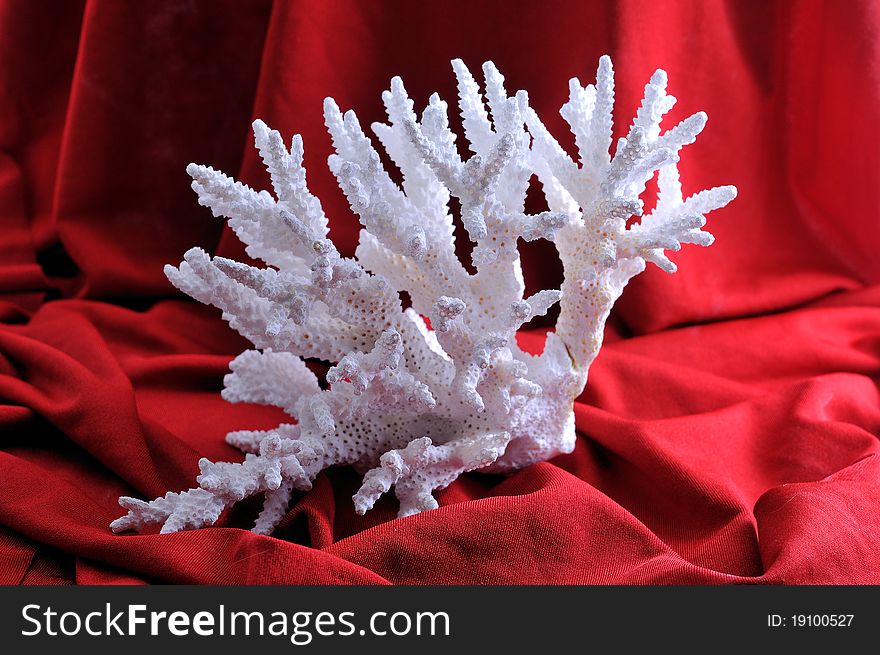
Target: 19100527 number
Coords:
[(821, 620)]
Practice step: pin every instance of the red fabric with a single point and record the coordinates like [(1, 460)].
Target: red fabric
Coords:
[(729, 431)]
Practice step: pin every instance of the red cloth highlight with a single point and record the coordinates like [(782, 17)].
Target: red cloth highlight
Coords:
[(729, 430)]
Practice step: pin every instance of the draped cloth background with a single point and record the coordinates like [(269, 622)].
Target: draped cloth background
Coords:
[(729, 431)]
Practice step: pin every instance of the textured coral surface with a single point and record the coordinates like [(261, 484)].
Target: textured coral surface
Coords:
[(412, 404)]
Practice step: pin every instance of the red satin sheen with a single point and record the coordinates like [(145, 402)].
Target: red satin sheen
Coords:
[(729, 431)]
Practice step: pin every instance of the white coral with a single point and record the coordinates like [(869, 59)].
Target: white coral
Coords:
[(409, 406)]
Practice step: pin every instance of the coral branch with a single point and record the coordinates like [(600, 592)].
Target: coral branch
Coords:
[(411, 406), (420, 468)]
